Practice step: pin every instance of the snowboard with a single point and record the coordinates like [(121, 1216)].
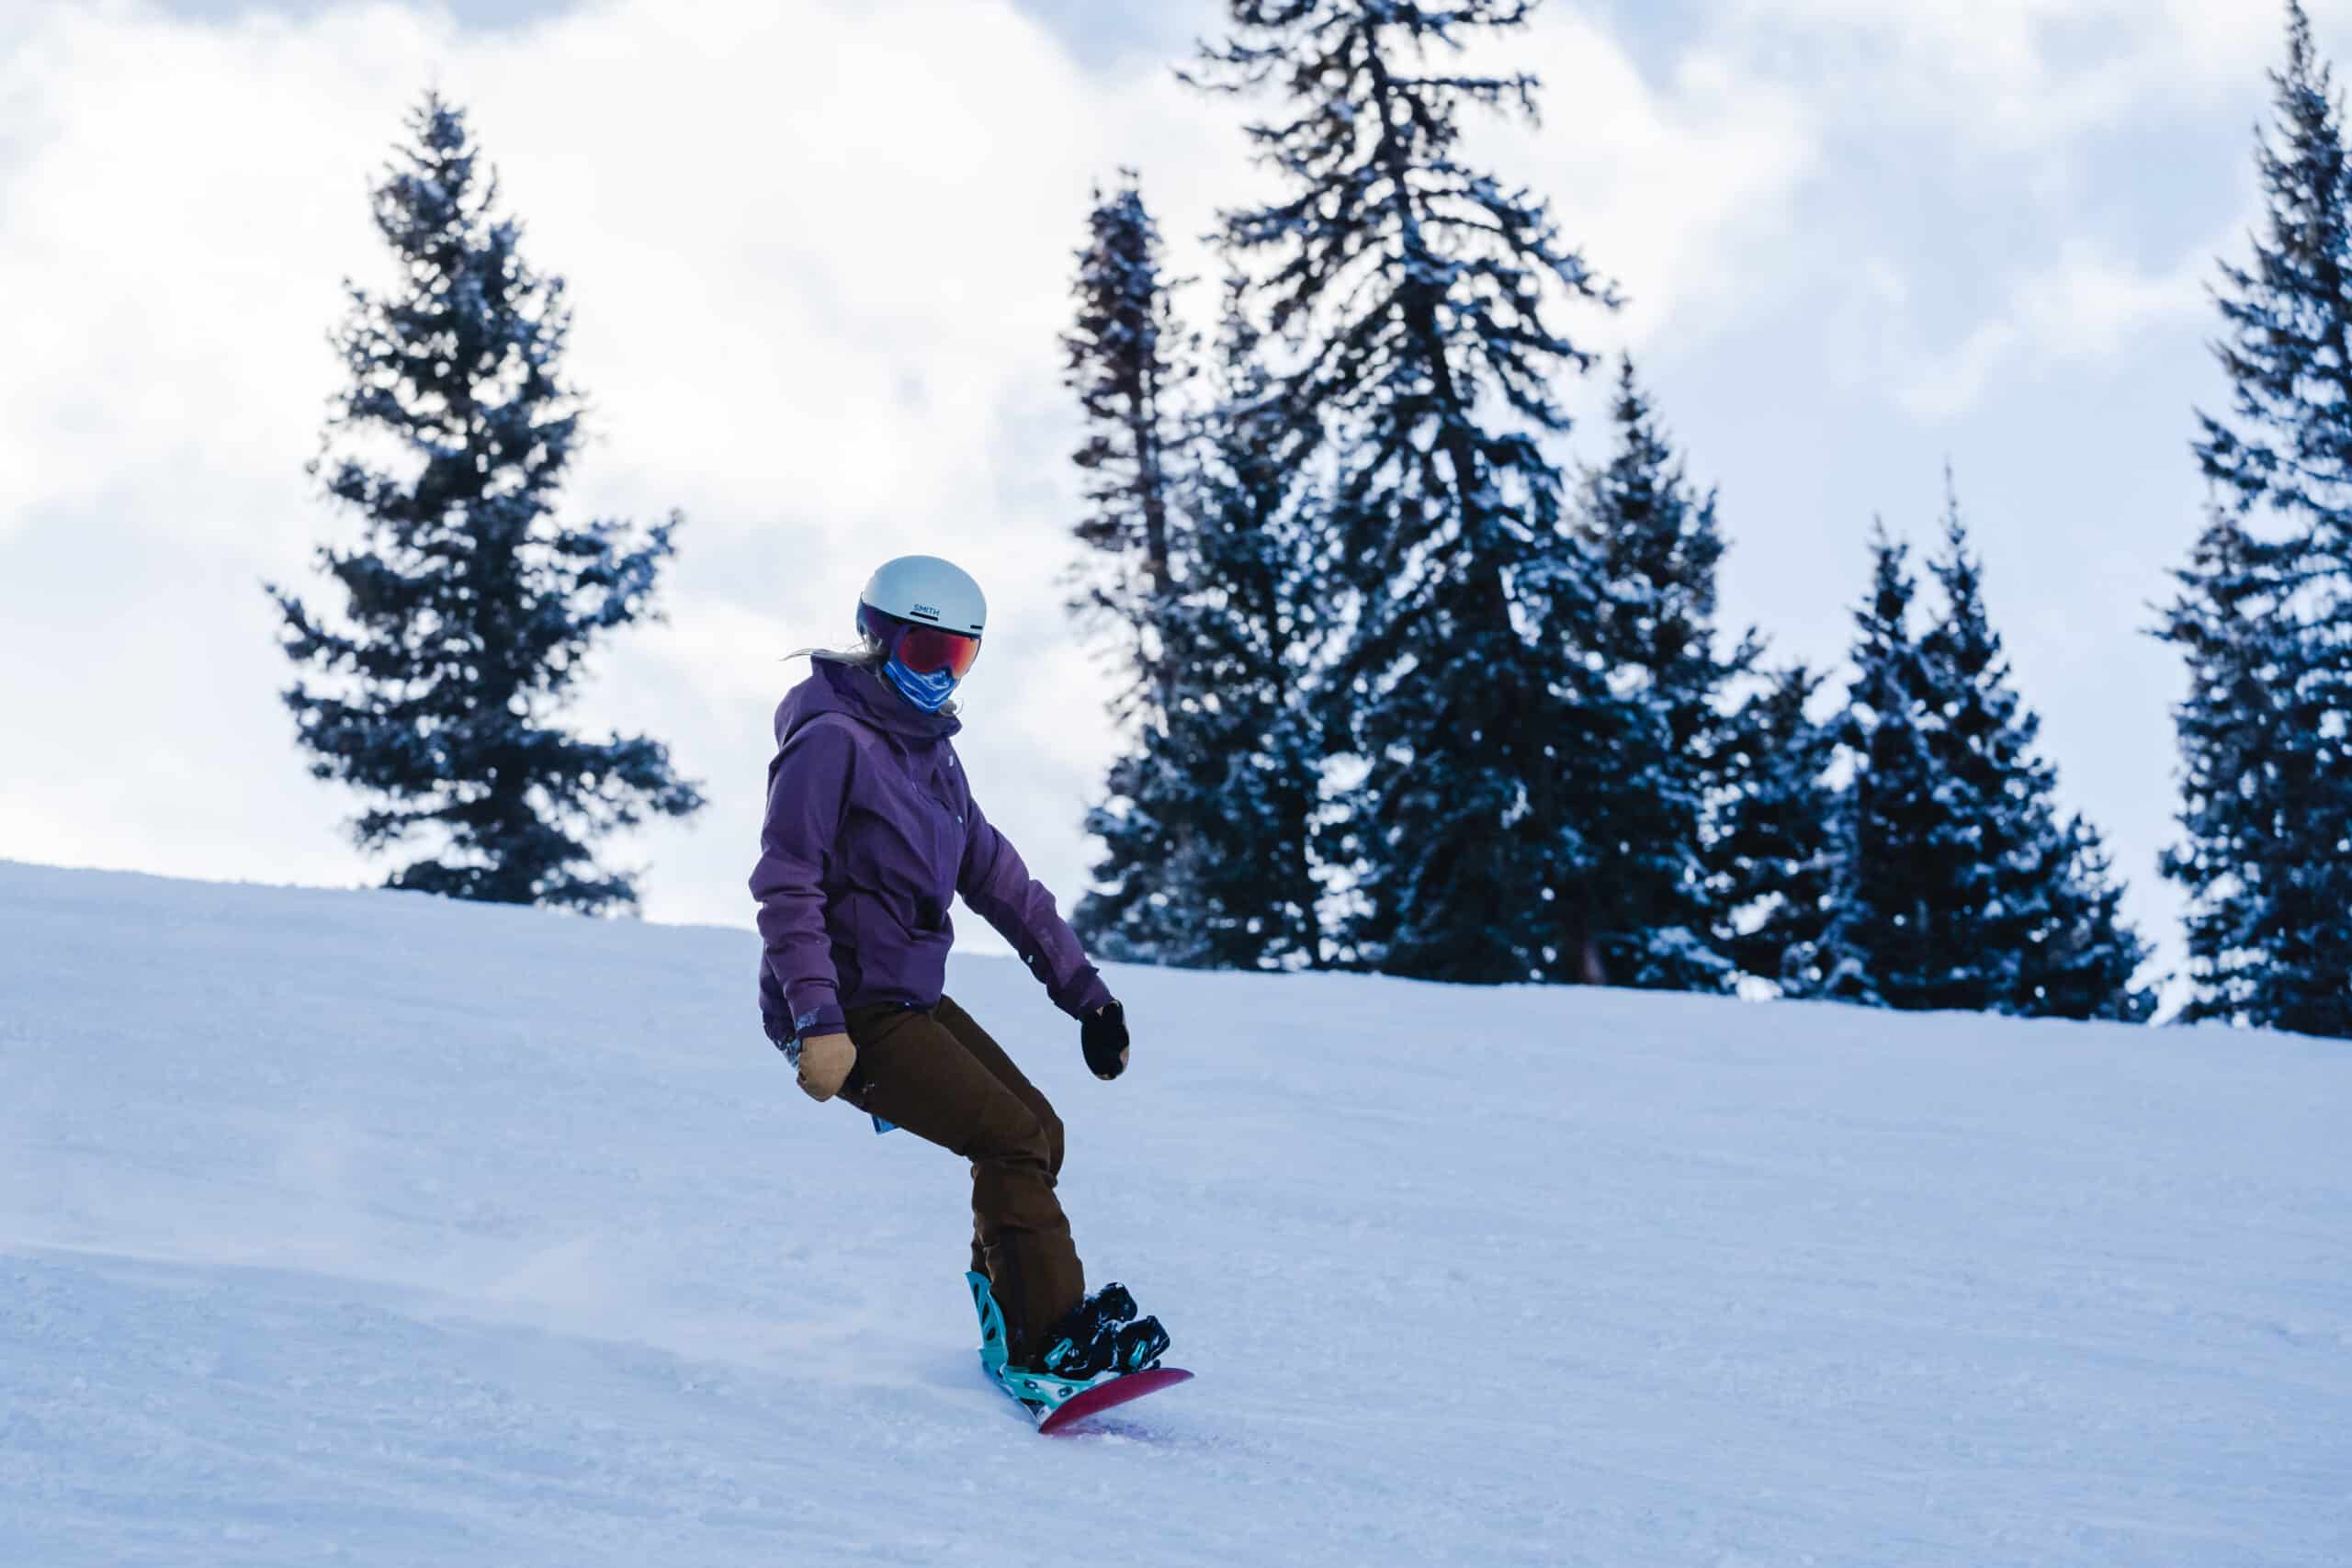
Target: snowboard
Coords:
[(1053, 1403)]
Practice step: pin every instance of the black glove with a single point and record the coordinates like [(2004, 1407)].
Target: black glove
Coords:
[(1104, 1033)]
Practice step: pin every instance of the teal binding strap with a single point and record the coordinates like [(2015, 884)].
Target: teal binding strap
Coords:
[(1042, 1393)]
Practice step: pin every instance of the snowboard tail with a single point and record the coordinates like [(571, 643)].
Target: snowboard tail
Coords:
[(1052, 1403)]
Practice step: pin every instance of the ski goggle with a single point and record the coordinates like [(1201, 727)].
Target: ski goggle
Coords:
[(926, 650)]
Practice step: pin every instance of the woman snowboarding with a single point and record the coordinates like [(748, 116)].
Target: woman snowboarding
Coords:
[(871, 831)]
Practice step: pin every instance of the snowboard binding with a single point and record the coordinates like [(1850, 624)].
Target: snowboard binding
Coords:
[(1054, 1401), (1102, 1333), (1041, 1393)]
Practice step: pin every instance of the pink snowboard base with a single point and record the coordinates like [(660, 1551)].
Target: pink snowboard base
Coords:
[(1112, 1394)]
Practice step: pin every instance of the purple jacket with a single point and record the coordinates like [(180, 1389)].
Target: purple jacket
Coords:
[(871, 831)]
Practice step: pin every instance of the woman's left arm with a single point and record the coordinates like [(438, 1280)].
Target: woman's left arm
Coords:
[(997, 886)]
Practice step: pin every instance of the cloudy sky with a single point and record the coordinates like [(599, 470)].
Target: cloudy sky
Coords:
[(819, 251)]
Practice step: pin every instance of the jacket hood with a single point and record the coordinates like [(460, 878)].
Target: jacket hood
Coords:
[(857, 692)]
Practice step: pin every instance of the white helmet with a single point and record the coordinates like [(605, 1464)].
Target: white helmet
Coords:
[(929, 592)]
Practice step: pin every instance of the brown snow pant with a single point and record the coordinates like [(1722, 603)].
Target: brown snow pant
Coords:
[(939, 1076)]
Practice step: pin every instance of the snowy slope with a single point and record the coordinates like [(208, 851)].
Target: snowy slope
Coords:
[(366, 1228)]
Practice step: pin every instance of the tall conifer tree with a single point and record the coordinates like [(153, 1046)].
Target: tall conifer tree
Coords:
[(1206, 836), (2265, 611), (1656, 546), (470, 609), (1422, 293), (2248, 756), (1958, 886), (1893, 834), (1125, 362), (2031, 915)]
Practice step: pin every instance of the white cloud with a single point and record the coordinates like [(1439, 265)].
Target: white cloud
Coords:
[(2086, 305), (2012, 75), (1659, 184)]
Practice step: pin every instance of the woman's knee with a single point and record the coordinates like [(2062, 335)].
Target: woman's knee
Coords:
[(1014, 1135)]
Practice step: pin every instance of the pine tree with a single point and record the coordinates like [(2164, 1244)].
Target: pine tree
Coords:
[(1774, 832), (1206, 836), (2085, 964), (2029, 912), (470, 609), (2265, 613), (2288, 351), (1416, 288), (1956, 884), (2250, 751), (1125, 362), (1894, 832), (1656, 547)]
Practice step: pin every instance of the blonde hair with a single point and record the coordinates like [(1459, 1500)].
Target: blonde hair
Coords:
[(867, 655)]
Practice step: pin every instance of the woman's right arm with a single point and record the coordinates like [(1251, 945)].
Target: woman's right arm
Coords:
[(808, 792)]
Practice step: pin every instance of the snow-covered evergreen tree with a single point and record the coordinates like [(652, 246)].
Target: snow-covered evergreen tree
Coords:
[(1656, 546), (1420, 293), (2029, 912), (468, 608), (1894, 831), (1774, 832), (2264, 612), (2085, 964), (2251, 749), (1956, 884), (1125, 362), (1207, 857)]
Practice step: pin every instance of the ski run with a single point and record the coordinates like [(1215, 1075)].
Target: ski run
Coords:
[(366, 1228)]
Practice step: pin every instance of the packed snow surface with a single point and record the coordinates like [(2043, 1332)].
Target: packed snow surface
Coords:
[(359, 1227)]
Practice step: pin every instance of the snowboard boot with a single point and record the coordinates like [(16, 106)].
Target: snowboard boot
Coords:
[(1085, 1342)]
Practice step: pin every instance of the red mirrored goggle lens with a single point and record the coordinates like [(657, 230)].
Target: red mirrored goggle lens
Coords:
[(927, 651)]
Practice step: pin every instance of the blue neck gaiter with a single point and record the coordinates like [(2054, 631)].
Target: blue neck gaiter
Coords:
[(930, 692)]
